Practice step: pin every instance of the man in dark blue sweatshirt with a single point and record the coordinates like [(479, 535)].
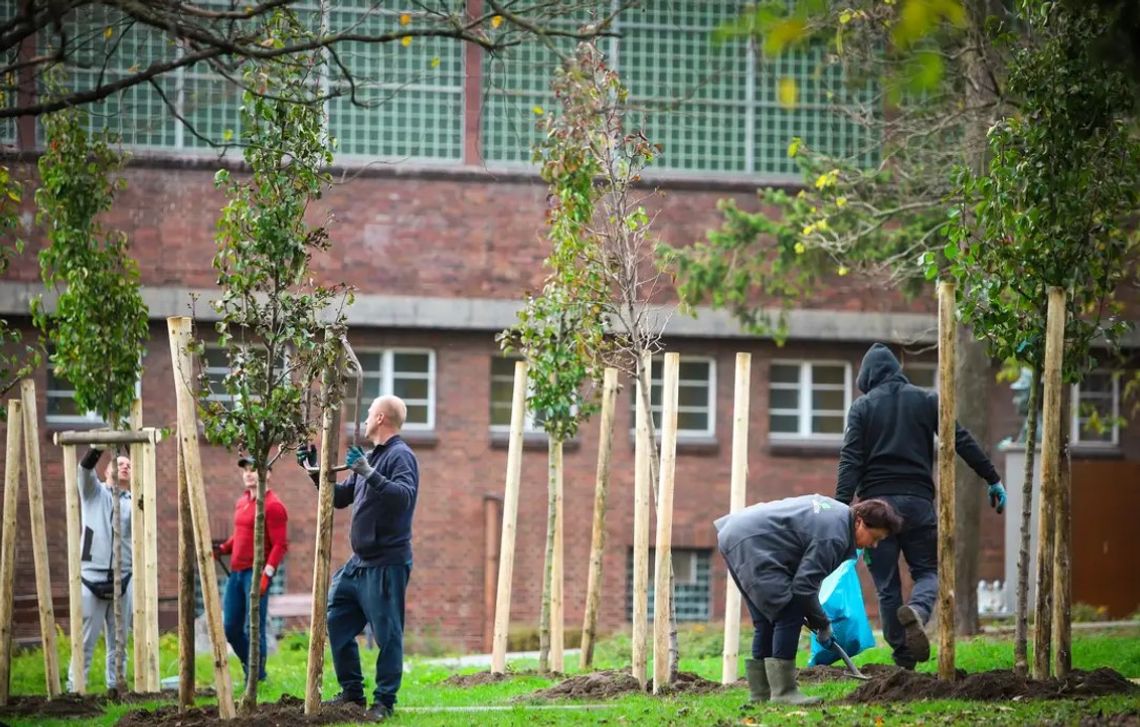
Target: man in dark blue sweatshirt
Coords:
[(888, 454), (370, 587)]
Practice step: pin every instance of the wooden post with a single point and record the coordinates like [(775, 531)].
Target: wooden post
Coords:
[(185, 589), (74, 565), (492, 509), (138, 554), (557, 616), (12, 462), (947, 418), (39, 536), (510, 518), (738, 492), (179, 329), (318, 615), (662, 598), (1052, 421), (1062, 576), (598, 537), (150, 567), (642, 443)]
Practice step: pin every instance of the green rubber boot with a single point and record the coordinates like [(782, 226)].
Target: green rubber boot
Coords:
[(757, 680), (782, 678)]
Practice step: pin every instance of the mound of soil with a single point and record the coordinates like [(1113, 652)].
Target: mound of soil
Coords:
[(817, 674), (613, 683), (480, 678), (1100, 719), (905, 686), (289, 710), (65, 705)]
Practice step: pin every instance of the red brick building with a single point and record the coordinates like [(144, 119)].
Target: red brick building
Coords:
[(441, 242)]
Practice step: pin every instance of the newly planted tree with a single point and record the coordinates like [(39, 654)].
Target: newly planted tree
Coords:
[(97, 331), (278, 329), (13, 365), (1053, 210)]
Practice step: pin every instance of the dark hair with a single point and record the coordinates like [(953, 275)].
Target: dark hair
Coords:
[(878, 514)]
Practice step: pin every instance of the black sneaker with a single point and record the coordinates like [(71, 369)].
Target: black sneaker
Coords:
[(342, 698), (378, 713), (917, 643)]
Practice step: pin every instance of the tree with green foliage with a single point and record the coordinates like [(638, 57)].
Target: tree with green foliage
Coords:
[(278, 328), (1054, 208), (97, 331), (13, 365)]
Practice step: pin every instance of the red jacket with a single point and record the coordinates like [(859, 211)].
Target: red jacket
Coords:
[(240, 544)]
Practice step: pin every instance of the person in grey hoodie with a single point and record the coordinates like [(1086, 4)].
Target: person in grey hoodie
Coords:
[(96, 503), (888, 454), (778, 553)]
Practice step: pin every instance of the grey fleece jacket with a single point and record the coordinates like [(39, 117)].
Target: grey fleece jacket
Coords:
[(95, 509)]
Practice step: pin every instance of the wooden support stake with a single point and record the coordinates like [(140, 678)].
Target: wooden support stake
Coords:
[(12, 464), (39, 536), (510, 519), (1052, 421), (110, 438), (74, 566), (598, 537), (318, 615), (492, 514), (641, 499), (662, 597), (947, 419), (738, 491), (150, 567), (185, 590), (557, 616), (138, 555), (1062, 575), (180, 338)]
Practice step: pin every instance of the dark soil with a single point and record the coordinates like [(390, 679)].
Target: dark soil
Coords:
[(486, 677), (65, 705), (1100, 719), (905, 686), (614, 683), (289, 710), (817, 674)]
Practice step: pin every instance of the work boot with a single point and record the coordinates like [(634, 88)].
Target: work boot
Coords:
[(378, 713), (782, 678), (917, 643), (343, 698), (758, 688)]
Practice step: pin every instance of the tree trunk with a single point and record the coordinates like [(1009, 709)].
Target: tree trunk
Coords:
[(548, 565), (598, 532), (973, 380), (249, 699), (1021, 636), (1062, 561), (185, 590)]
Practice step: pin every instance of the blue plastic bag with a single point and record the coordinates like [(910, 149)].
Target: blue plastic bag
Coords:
[(842, 600)]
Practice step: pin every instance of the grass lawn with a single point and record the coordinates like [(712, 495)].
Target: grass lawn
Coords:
[(424, 692)]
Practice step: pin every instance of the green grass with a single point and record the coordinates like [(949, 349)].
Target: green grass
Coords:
[(700, 646)]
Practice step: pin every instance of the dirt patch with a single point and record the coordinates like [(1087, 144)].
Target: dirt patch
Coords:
[(289, 710), (817, 674), (613, 683), (480, 678), (1100, 719), (65, 705), (905, 686)]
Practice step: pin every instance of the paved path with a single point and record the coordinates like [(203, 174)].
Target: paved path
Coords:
[(485, 659)]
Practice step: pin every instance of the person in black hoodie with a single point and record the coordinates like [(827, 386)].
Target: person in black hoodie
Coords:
[(370, 588), (888, 454)]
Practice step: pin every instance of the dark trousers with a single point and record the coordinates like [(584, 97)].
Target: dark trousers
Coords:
[(918, 543), (235, 616), (374, 596), (778, 638)]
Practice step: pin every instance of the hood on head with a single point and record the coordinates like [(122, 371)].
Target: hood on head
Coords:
[(879, 365)]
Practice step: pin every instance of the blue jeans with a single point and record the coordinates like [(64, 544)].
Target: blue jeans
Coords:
[(918, 543), (374, 596), (235, 615)]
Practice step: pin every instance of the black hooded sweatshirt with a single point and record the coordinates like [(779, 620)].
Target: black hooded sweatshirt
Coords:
[(888, 448)]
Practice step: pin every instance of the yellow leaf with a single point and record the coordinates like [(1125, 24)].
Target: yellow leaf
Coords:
[(840, 202), (435, 62), (496, 21), (406, 41), (405, 19), (538, 111), (799, 248), (842, 270), (821, 226), (783, 34), (794, 147), (786, 92), (807, 230), (108, 33)]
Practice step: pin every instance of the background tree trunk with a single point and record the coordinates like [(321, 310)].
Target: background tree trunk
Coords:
[(973, 384), (548, 565), (249, 699), (1021, 634)]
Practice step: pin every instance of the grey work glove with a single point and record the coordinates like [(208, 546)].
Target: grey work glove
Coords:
[(357, 461)]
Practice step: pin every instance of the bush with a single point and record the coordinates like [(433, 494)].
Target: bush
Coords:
[(1085, 613)]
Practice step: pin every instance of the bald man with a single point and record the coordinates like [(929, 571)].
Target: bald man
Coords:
[(370, 587)]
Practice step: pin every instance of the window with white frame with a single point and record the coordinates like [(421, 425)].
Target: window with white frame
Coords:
[(408, 373), (1096, 409), (692, 597), (924, 375), (216, 366), (696, 396), (808, 399), (502, 393), (61, 407)]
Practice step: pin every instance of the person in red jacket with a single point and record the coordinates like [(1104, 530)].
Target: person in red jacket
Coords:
[(239, 547)]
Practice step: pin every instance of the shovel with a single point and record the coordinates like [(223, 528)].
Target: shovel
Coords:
[(852, 670)]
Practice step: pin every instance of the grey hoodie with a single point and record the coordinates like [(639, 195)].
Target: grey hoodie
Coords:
[(888, 447), (96, 508)]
